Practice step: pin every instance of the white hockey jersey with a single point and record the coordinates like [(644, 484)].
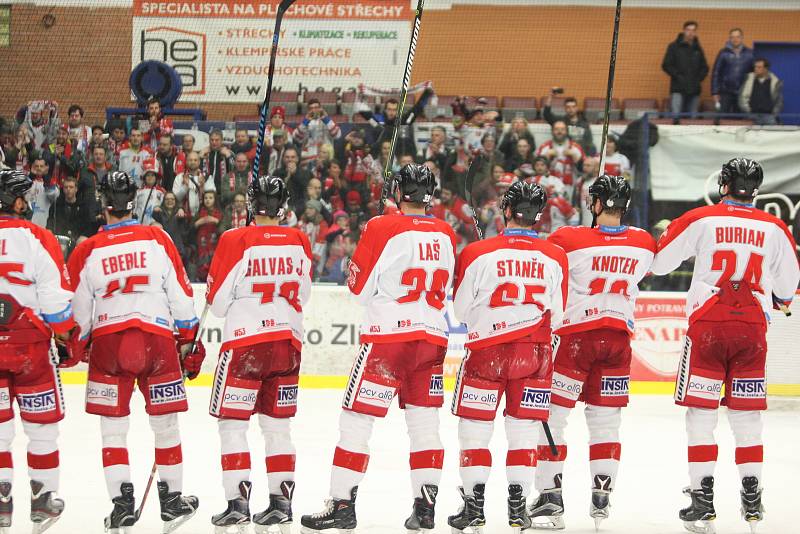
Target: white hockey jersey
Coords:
[(606, 264), (730, 241), (32, 271), (402, 271), (509, 287), (259, 281), (131, 276)]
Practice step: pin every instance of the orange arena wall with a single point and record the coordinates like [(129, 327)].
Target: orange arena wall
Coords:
[(476, 50)]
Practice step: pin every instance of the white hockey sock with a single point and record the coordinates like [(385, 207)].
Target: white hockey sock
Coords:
[(116, 466), (747, 428), (604, 446), (235, 455), (702, 453), (548, 465), (522, 436), (475, 459), (351, 457), (279, 451), (169, 456), (426, 451), (43, 453), (6, 463)]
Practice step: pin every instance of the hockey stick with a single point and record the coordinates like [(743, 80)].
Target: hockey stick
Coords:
[(412, 49), (781, 306), (468, 182), (154, 469), (262, 119), (612, 67)]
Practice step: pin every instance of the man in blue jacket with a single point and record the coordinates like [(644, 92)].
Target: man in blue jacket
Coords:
[(733, 64)]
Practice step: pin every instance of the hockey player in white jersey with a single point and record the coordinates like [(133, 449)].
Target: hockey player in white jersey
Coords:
[(593, 355), (745, 262), (132, 299), (259, 280), (34, 306), (401, 272), (508, 290)]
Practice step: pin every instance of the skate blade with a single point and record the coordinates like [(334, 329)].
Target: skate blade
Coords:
[(554, 522), (419, 531), (279, 528), (120, 530), (172, 526), (753, 524), (597, 521), (468, 530), (5, 530), (700, 527), (232, 529), (43, 522)]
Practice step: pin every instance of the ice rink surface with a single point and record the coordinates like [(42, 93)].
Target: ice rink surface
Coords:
[(646, 499)]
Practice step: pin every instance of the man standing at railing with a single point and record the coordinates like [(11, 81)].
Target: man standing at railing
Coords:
[(731, 67), (685, 62)]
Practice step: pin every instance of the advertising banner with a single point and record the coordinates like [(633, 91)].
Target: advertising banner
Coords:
[(221, 49)]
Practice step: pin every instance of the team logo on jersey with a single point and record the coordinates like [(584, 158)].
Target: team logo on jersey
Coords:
[(353, 273), (535, 399), (436, 388), (478, 398), (167, 392), (102, 394), (566, 387), (705, 388), (287, 395), (748, 388), (239, 332), (375, 329), (239, 398), (614, 386), (5, 399), (40, 402), (162, 321), (375, 394)]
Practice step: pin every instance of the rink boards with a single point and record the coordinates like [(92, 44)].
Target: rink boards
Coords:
[(331, 341)]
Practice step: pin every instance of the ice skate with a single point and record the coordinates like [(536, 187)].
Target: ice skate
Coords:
[(46, 507), (699, 516), (338, 517), (518, 518), (236, 517), (548, 508), (123, 516), (176, 509), (752, 509), (470, 518), (421, 519), (600, 506), (6, 507), (278, 516)]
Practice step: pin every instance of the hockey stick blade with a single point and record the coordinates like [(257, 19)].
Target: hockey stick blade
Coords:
[(412, 50)]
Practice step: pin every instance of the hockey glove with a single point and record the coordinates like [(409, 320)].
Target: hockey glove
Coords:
[(73, 349), (193, 361)]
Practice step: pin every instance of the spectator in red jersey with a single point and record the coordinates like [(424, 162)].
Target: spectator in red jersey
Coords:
[(563, 153), (490, 216), (455, 212), (63, 157), (558, 211), (242, 144), (277, 116), (335, 269), (519, 130), (355, 156), (207, 225), (235, 214), (117, 139)]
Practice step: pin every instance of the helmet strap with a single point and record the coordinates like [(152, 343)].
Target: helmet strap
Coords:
[(595, 215)]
